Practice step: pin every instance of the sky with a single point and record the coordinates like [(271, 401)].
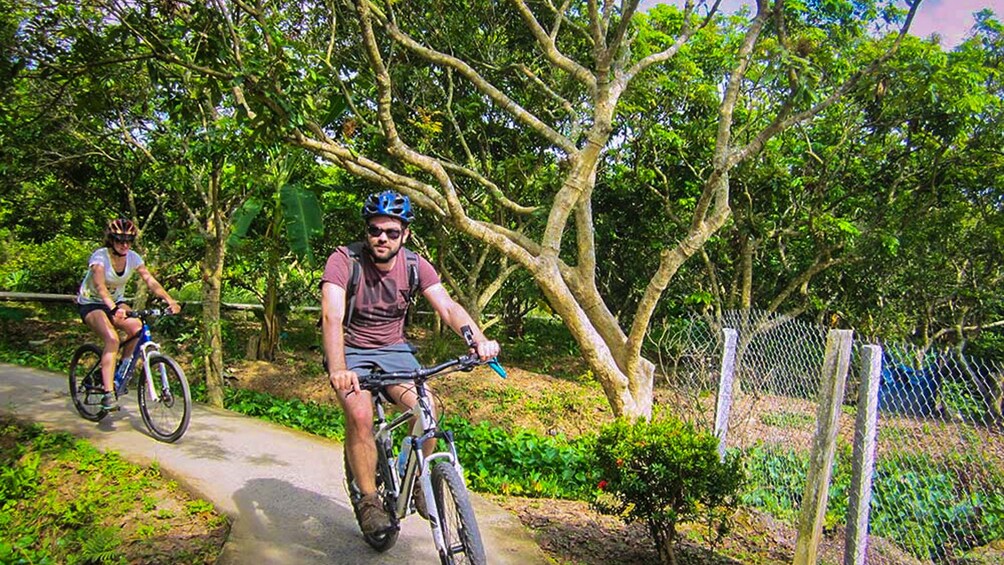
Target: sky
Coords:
[(952, 19)]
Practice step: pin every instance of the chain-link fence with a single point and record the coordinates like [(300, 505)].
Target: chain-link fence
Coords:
[(938, 483)]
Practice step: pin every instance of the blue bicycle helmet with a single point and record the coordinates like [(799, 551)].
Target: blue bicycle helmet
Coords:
[(388, 203)]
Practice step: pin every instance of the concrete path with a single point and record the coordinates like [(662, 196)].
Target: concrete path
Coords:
[(283, 489)]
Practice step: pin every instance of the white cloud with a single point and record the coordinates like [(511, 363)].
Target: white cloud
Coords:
[(951, 19)]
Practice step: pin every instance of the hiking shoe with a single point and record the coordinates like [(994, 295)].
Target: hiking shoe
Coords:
[(373, 518), (419, 499), (108, 402)]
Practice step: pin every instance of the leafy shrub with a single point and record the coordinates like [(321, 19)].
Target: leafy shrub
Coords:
[(524, 463), (55, 266), (664, 472)]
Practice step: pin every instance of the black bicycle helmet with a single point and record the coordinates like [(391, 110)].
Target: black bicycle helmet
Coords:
[(388, 203)]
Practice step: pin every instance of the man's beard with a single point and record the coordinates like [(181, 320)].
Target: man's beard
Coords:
[(382, 260)]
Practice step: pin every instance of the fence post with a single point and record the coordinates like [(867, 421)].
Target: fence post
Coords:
[(725, 387), (865, 431), (812, 511)]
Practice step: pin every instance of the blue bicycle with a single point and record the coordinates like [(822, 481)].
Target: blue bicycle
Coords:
[(165, 402)]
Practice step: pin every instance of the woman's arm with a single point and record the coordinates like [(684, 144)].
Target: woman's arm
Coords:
[(155, 288)]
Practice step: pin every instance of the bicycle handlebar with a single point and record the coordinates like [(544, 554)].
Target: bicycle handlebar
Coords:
[(149, 313), (373, 381)]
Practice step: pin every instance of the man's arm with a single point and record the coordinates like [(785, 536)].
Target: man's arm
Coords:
[(457, 317), (333, 337)]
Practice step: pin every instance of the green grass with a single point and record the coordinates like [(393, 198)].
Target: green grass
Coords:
[(63, 501)]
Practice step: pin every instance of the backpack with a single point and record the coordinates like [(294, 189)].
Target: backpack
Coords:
[(355, 251)]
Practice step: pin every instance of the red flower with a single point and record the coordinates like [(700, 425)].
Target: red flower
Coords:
[(620, 462), (602, 485)]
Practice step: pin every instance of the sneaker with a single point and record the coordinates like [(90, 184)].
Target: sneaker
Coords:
[(108, 402), (419, 499), (373, 518)]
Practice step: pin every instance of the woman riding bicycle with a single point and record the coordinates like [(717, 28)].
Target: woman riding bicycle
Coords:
[(374, 335), (101, 294)]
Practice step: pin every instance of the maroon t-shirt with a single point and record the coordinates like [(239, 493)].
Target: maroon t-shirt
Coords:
[(381, 298)]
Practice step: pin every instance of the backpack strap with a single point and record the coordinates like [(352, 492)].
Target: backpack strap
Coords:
[(355, 252), (411, 258)]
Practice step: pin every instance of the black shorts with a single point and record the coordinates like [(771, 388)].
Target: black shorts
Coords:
[(86, 309)]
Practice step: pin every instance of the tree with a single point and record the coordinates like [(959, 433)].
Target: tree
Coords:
[(555, 75)]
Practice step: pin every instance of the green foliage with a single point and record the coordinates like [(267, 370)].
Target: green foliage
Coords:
[(664, 472), (42, 523), (55, 266), (795, 420), (524, 463), (323, 420), (926, 507), (303, 220)]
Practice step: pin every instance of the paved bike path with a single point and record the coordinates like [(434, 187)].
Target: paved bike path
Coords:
[(283, 489)]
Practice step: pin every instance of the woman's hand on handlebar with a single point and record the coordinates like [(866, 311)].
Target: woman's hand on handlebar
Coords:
[(173, 306), (344, 380)]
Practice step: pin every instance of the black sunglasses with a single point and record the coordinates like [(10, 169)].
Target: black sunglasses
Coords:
[(123, 238), (392, 233)]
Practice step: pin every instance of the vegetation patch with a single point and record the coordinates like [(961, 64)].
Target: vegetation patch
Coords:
[(63, 501)]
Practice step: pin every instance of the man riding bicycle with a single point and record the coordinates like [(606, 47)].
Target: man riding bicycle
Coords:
[(365, 331)]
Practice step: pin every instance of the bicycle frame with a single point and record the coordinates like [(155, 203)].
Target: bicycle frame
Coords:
[(144, 348), (418, 465)]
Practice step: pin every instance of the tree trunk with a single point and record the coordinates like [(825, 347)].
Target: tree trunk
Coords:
[(212, 285), (269, 340)]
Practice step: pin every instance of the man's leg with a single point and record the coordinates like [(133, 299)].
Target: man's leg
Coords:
[(360, 451)]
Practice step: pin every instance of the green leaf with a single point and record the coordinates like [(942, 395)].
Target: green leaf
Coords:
[(303, 219), (243, 220)]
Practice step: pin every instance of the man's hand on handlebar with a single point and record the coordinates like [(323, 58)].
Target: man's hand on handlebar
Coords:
[(344, 380), (487, 350)]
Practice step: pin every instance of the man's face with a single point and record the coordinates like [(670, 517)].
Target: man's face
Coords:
[(379, 232)]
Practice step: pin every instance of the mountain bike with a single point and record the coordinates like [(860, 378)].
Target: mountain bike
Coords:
[(438, 475), (165, 402)]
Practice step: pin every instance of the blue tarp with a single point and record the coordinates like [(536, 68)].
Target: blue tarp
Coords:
[(909, 391)]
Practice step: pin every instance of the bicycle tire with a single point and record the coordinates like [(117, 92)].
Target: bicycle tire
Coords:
[(86, 387), (384, 540), (168, 414), (461, 535)]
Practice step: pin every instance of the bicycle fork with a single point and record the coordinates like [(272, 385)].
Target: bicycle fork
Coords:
[(153, 393)]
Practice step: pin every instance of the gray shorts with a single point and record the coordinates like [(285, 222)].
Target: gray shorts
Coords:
[(389, 359)]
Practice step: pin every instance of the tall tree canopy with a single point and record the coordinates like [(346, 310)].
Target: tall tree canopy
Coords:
[(501, 119)]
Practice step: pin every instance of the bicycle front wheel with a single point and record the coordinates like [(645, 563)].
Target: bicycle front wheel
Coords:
[(86, 388), (167, 409), (456, 518)]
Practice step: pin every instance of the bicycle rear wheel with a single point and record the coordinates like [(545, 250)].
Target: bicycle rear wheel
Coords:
[(385, 489), (167, 411), (86, 388), (456, 518)]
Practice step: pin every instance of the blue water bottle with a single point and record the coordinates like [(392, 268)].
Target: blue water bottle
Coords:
[(402, 458), (120, 373)]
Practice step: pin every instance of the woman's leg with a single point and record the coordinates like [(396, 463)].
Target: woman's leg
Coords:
[(98, 321)]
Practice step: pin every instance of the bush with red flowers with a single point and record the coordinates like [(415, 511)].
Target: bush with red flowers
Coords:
[(665, 472)]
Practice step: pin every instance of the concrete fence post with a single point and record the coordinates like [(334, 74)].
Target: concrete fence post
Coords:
[(865, 433), (812, 512), (725, 387)]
